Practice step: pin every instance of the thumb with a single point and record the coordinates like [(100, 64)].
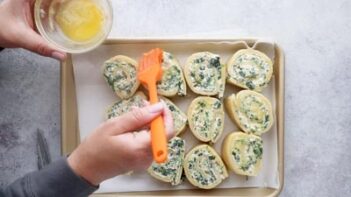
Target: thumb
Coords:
[(134, 120), (35, 43)]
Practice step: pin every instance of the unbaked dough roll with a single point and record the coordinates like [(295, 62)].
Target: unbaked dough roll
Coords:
[(206, 118), (242, 153), (251, 111), (120, 72), (124, 106), (170, 171), (172, 82), (205, 74), (204, 168), (179, 117), (250, 69)]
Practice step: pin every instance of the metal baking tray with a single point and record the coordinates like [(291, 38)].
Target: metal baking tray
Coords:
[(70, 127)]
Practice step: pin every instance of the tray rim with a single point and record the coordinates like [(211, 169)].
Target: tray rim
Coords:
[(67, 138)]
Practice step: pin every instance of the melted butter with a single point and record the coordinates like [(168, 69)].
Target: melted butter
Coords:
[(80, 20)]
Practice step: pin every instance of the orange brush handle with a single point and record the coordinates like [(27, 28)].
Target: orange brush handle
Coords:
[(158, 134)]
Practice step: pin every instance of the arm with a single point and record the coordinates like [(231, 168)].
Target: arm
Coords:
[(114, 148), (56, 179)]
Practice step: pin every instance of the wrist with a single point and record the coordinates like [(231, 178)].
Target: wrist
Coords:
[(81, 171)]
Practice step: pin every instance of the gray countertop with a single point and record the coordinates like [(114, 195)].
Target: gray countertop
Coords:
[(315, 36)]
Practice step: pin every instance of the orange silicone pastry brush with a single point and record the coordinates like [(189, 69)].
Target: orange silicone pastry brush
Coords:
[(150, 72)]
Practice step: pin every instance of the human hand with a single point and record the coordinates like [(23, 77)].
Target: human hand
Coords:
[(17, 29), (114, 149)]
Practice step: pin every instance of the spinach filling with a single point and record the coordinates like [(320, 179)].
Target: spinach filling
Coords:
[(179, 118), (208, 169), (171, 79), (124, 106), (205, 73), (120, 76), (249, 155), (207, 122), (253, 114), (250, 70), (172, 168)]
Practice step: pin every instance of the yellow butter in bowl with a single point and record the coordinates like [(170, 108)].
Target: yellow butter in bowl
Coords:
[(73, 26), (80, 20)]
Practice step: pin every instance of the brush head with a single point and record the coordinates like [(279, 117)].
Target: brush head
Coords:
[(150, 66)]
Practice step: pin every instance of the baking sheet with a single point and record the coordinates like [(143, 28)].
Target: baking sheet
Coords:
[(94, 96)]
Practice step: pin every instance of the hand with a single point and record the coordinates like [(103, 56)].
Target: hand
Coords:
[(114, 148), (17, 29)]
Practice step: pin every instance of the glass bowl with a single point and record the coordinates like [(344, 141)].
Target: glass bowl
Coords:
[(44, 16)]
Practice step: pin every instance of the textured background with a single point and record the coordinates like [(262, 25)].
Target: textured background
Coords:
[(314, 35)]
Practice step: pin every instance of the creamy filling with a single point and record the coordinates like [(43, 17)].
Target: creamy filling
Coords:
[(179, 118), (124, 106), (172, 76), (172, 169), (205, 168), (206, 73), (253, 113), (246, 153), (121, 76), (250, 70), (208, 119)]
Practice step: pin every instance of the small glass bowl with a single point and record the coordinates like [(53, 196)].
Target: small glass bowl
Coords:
[(44, 19)]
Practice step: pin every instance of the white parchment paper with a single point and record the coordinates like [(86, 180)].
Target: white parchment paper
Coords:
[(94, 96)]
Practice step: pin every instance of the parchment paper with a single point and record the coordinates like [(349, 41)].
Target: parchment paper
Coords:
[(94, 96)]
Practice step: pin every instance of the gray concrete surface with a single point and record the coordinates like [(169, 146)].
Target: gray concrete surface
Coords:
[(315, 36), (29, 100)]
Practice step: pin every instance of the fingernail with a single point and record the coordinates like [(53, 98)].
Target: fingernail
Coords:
[(58, 55), (156, 107)]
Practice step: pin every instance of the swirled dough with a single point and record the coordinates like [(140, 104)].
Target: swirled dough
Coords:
[(250, 69), (205, 74), (170, 171), (120, 72), (242, 153), (204, 168), (172, 82), (251, 111), (179, 117), (206, 118), (124, 106)]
